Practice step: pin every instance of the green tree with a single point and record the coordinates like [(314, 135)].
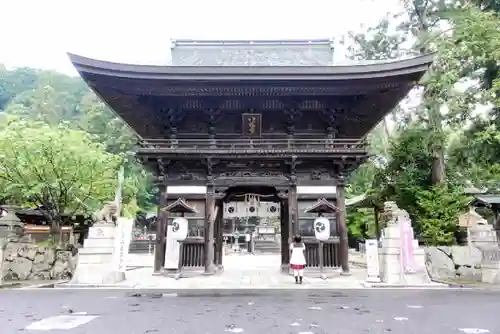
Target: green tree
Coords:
[(61, 169), (439, 209), (56, 99)]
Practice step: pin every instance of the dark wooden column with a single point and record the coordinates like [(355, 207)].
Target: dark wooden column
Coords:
[(342, 225), (293, 210), (161, 229), (219, 240), (293, 204), (209, 229), (285, 235)]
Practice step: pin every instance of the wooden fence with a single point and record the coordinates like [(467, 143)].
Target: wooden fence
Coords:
[(331, 251), (193, 253)]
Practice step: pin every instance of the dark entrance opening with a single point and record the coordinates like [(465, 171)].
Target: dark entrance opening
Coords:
[(252, 225)]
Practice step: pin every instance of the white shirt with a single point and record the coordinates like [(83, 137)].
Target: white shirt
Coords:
[(298, 256)]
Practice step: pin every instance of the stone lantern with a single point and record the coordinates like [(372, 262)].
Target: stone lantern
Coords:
[(11, 227)]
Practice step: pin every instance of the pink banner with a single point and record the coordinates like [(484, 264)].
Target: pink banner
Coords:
[(406, 245)]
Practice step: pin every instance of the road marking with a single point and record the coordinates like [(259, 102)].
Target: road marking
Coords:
[(314, 308), (414, 306), (400, 318), (294, 324), (63, 322), (473, 330)]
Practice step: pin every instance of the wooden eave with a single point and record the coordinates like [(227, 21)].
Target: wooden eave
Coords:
[(180, 206), (321, 206), (126, 88), (414, 65)]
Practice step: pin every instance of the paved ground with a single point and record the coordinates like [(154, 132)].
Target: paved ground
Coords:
[(240, 271), (275, 311)]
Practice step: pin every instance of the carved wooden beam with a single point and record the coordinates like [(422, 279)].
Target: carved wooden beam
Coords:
[(210, 163), (213, 115), (282, 193), (162, 165)]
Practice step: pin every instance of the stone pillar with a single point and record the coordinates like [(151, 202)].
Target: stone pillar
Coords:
[(161, 228), (342, 225), (209, 230), (1, 262), (401, 262), (484, 237)]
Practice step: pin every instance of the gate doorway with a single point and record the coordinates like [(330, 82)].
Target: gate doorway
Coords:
[(252, 228)]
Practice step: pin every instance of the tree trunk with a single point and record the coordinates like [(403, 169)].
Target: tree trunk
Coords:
[(438, 166), (438, 163), (56, 232)]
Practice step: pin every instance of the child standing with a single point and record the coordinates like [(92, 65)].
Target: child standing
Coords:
[(298, 259)]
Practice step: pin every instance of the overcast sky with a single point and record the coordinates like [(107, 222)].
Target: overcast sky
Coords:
[(39, 33)]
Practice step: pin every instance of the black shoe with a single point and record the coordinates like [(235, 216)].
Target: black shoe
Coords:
[(296, 280), (300, 280)]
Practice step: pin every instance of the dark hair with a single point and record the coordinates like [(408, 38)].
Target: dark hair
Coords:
[(297, 239)]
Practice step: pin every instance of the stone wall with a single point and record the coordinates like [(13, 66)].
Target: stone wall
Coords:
[(454, 263), (26, 261)]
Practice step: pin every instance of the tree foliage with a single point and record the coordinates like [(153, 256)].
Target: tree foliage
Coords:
[(449, 138), (58, 168), (65, 108)]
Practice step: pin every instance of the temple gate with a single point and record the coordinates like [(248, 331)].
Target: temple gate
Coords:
[(262, 117)]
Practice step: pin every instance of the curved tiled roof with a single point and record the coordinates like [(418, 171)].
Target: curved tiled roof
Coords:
[(341, 72)]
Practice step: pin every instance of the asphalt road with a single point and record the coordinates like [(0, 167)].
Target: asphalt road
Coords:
[(266, 312)]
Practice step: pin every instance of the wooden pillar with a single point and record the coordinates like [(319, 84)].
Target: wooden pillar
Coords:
[(219, 239), (209, 230), (161, 229), (285, 236), (342, 225), (293, 210)]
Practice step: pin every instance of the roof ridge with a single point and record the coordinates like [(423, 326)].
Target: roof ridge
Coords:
[(237, 42)]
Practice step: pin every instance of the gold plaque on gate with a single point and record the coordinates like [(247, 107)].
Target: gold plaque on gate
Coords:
[(252, 125)]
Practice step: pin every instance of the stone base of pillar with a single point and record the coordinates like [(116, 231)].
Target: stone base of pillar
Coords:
[(285, 269), (95, 259), (391, 268), (211, 271)]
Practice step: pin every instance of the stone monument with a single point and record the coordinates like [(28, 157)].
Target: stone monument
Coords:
[(1, 262), (483, 237), (101, 261), (96, 257), (402, 261)]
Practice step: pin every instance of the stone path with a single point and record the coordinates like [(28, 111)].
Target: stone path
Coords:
[(240, 272)]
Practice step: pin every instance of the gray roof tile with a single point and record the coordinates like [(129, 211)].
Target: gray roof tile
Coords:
[(252, 53)]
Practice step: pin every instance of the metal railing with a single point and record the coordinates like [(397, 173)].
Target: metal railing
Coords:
[(255, 144)]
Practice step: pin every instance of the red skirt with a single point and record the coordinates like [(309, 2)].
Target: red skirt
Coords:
[(297, 266)]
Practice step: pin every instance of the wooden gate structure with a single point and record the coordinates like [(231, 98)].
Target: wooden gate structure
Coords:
[(265, 116)]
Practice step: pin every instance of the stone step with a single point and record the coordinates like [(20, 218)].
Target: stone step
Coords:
[(267, 246), (141, 247)]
